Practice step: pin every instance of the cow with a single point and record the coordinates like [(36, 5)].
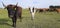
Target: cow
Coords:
[(14, 12), (39, 10), (32, 12), (58, 10), (53, 8), (42, 9)]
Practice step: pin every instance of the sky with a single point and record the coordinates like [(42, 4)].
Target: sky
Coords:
[(31, 3)]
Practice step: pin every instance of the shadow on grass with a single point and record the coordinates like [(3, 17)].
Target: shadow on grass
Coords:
[(3, 21), (58, 20), (33, 25)]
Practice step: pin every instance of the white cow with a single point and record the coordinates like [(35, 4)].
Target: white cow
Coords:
[(32, 12)]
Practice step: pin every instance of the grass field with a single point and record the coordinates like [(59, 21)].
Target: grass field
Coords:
[(42, 20)]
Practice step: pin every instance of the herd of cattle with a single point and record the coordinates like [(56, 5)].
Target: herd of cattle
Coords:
[(15, 11), (51, 9)]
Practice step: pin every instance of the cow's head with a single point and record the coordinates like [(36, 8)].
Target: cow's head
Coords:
[(32, 12), (31, 9), (10, 8)]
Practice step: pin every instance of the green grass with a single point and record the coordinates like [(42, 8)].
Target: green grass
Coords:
[(42, 20)]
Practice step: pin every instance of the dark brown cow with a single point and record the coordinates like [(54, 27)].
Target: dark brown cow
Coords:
[(39, 10), (58, 10), (14, 12), (53, 8)]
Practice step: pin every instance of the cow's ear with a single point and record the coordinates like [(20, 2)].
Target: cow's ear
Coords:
[(4, 5)]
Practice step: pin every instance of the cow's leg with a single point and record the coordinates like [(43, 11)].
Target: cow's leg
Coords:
[(20, 16), (32, 16), (14, 19)]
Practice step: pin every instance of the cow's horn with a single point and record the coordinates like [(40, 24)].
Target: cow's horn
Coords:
[(3, 4), (17, 4)]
